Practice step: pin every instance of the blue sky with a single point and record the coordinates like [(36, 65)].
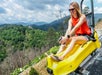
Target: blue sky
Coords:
[(13, 11)]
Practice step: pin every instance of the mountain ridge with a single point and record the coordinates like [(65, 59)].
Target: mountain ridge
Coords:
[(56, 24), (60, 22)]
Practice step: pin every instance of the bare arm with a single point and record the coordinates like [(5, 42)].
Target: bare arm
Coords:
[(71, 31), (69, 28), (64, 38)]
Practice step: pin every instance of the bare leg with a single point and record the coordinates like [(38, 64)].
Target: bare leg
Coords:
[(67, 51), (61, 48), (78, 39), (70, 47)]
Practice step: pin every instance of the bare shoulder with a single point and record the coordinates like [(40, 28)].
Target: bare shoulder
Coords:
[(83, 16)]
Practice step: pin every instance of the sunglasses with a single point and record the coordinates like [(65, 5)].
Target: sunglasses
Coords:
[(71, 9)]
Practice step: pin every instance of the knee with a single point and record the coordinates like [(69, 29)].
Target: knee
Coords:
[(74, 39)]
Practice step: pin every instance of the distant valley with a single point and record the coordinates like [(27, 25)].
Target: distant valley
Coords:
[(60, 22)]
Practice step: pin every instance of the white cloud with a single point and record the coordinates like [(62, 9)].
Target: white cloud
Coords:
[(84, 6), (18, 12), (99, 1), (32, 10), (48, 7), (98, 9)]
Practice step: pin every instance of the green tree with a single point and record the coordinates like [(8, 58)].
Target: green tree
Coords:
[(33, 72), (86, 10), (52, 37)]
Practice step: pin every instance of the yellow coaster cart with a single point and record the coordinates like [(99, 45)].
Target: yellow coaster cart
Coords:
[(74, 59)]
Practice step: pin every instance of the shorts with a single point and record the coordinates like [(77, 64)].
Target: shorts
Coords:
[(89, 37)]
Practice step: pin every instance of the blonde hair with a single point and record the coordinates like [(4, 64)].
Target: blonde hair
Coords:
[(77, 8)]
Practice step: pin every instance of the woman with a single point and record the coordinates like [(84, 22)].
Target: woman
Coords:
[(78, 31)]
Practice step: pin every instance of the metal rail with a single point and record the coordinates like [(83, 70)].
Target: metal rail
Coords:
[(92, 11)]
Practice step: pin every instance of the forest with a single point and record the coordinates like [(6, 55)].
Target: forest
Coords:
[(19, 45)]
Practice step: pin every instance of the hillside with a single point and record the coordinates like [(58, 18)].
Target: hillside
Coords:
[(39, 67), (61, 23), (97, 17), (19, 45), (99, 25), (98, 28), (95, 68), (57, 24)]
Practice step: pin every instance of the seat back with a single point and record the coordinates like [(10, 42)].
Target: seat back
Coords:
[(92, 38)]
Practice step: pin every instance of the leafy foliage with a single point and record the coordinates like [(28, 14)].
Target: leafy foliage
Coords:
[(21, 38), (16, 40), (33, 72), (36, 60)]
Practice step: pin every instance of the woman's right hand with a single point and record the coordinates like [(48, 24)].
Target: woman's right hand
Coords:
[(63, 40)]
